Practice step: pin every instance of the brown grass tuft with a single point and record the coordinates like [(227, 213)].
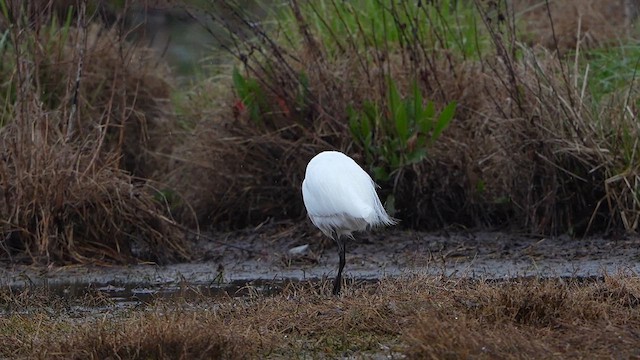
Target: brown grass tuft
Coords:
[(529, 318), (123, 86), (174, 335), (80, 107), (63, 202), (438, 337)]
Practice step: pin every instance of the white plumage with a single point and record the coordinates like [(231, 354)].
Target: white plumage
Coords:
[(341, 198)]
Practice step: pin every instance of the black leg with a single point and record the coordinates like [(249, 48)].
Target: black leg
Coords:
[(337, 283)]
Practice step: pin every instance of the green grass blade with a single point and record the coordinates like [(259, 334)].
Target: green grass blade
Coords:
[(444, 120), (398, 110), (425, 122), (240, 83)]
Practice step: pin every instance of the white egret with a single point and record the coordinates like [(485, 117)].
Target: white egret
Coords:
[(341, 198)]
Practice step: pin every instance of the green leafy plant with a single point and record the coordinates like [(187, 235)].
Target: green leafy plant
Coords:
[(399, 133), (252, 96)]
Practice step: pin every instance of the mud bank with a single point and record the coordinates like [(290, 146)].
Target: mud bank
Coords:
[(269, 263)]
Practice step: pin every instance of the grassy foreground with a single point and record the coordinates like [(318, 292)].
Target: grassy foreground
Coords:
[(420, 317)]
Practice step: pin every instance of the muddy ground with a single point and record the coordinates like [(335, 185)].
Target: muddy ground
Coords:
[(274, 257)]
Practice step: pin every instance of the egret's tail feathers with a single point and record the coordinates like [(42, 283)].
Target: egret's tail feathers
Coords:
[(382, 219), (379, 215), (388, 221)]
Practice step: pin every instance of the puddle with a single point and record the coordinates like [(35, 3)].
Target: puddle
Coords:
[(132, 294)]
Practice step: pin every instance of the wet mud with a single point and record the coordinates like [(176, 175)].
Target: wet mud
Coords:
[(271, 261)]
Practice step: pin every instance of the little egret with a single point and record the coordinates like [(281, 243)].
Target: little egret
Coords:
[(341, 198)]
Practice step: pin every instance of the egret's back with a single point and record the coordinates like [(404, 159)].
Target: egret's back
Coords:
[(340, 197)]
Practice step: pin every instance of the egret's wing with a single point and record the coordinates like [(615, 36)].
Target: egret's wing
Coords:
[(337, 189)]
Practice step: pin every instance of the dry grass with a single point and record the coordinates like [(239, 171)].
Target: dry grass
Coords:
[(124, 87), (158, 336), (63, 202), (569, 23), (534, 319), (527, 159), (422, 317), (85, 115)]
